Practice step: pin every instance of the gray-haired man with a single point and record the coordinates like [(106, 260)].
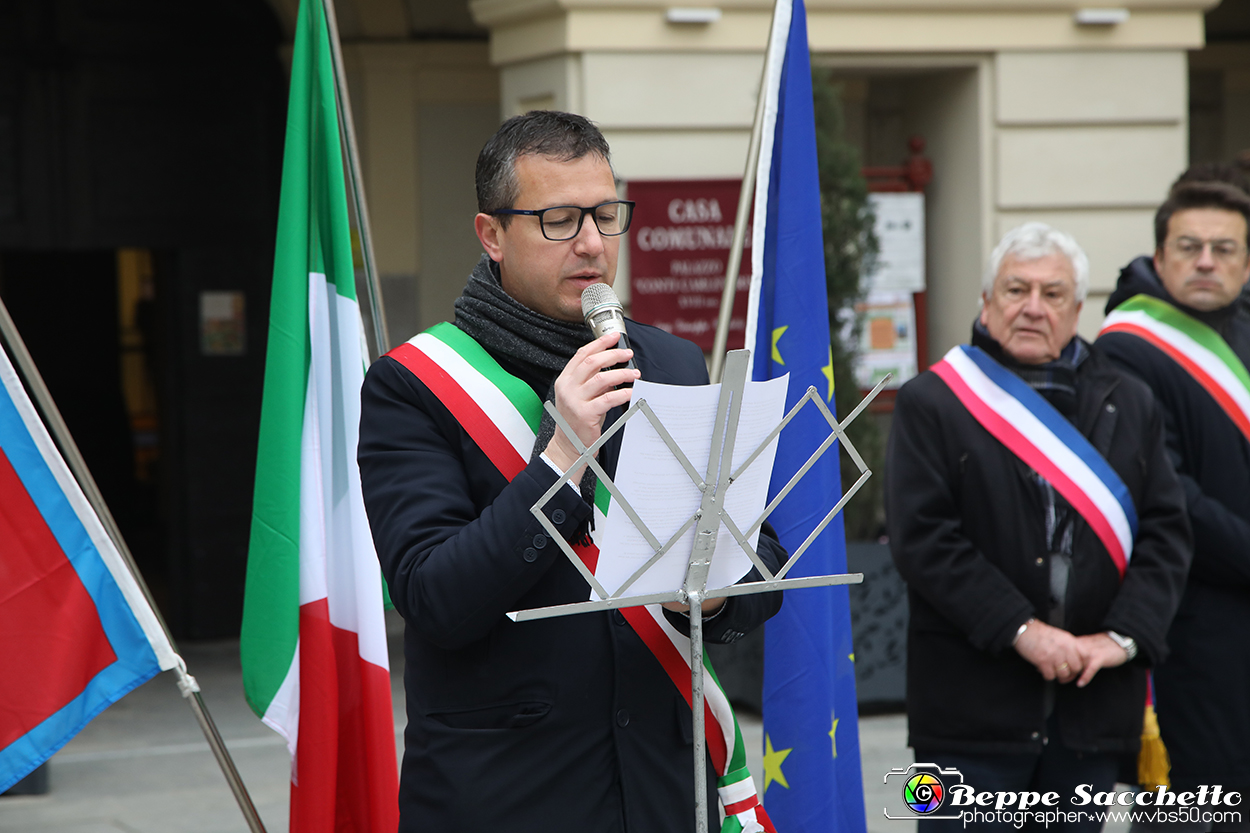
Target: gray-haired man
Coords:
[(1040, 528)]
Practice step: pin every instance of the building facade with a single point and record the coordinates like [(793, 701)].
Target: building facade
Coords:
[(140, 147)]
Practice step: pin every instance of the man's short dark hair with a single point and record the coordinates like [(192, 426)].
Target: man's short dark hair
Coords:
[(1230, 172), (1187, 195), (564, 137)]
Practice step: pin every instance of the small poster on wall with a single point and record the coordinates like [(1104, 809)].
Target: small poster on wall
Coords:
[(223, 324), (900, 233), (887, 341), (888, 338)]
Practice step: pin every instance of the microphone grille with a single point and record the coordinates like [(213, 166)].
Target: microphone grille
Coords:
[(598, 295)]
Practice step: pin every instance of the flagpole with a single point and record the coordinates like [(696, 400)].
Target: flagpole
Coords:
[(745, 199), (381, 338), (190, 689)]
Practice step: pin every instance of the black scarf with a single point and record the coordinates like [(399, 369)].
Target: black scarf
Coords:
[(540, 345), (527, 344), (1054, 380)]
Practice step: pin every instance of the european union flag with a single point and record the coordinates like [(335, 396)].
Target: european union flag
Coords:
[(812, 777)]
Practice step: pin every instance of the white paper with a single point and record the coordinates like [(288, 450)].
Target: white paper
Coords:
[(661, 492)]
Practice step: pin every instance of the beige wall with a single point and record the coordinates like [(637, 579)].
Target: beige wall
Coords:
[(1090, 142), (423, 110), (951, 110), (523, 30), (1027, 114)]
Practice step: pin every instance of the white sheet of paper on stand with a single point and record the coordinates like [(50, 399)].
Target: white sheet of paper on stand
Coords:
[(661, 492)]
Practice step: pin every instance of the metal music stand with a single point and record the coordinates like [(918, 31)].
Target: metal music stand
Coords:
[(707, 521)]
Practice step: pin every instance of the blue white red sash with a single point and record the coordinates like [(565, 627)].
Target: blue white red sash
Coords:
[(1030, 427)]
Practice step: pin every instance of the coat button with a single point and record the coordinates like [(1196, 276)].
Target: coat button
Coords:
[(618, 617), (540, 541), (622, 718), (1110, 408), (1035, 735), (558, 517), (530, 555), (1041, 561)]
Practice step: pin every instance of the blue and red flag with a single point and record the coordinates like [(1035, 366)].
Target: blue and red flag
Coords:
[(812, 777), (76, 633)]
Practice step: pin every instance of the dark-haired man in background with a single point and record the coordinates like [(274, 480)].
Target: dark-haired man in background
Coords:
[(1179, 322), (559, 724)]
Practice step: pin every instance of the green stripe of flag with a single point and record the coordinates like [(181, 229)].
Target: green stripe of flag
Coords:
[(520, 394), (1165, 313), (603, 498), (312, 237)]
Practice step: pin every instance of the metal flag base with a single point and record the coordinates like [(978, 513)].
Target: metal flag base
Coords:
[(707, 522)]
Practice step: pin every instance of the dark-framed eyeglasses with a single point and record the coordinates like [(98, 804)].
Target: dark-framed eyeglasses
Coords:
[(564, 222), (1191, 248)]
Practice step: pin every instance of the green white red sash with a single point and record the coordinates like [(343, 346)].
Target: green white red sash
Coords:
[(501, 414), (1194, 346), (1032, 429)]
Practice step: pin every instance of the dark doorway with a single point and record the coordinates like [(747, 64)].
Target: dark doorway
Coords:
[(140, 157), (90, 336)]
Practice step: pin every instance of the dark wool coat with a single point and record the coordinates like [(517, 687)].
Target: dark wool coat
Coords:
[(557, 724), (1203, 690), (967, 532)]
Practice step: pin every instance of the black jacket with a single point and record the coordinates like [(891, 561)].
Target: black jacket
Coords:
[(966, 526), (557, 724), (1203, 690)]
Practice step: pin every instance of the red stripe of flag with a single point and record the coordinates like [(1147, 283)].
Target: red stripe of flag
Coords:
[(589, 554), (467, 412), (1023, 447), (49, 625), (345, 752), (1200, 375), (742, 806), (678, 669)]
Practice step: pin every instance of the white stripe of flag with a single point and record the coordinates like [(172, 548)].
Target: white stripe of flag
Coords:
[(1210, 363), (1024, 421)]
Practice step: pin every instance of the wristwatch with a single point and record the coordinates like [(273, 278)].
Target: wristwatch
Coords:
[(1126, 642)]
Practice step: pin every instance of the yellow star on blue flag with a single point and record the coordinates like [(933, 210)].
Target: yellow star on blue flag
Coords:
[(772, 764), (828, 371), (778, 332)]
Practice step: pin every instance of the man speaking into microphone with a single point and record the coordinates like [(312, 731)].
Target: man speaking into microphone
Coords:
[(569, 723)]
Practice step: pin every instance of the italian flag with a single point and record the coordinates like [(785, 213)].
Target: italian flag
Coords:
[(314, 643)]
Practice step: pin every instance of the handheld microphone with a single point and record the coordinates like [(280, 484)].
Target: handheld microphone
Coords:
[(604, 314)]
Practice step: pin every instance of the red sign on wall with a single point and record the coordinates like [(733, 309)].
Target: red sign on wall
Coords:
[(678, 252)]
